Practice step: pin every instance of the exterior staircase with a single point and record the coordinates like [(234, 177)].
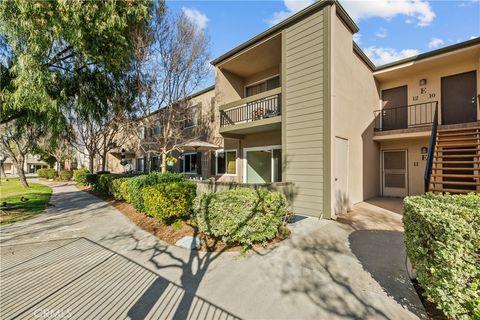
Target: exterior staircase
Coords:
[(456, 160)]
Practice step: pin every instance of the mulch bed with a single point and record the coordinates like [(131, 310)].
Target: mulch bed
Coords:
[(171, 233), (432, 311)]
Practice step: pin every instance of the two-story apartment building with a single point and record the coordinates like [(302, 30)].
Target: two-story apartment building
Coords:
[(301, 103)]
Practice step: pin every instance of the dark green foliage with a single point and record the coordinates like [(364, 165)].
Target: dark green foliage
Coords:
[(48, 173), (80, 176), (120, 189), (136, 184), (65, 175), (103, 172), (168, 202), (241, 216), (442, 237), (91, 179), (104, 182)]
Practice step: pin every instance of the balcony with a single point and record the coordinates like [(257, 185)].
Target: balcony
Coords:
[(406, 119), (260, 112)]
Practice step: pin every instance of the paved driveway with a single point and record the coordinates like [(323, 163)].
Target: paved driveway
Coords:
[(83, 259)]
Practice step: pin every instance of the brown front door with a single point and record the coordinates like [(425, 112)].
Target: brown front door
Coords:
[(394, 112), (459, 98)]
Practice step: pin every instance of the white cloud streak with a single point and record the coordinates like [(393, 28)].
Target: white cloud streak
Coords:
[(435, 43), (196, 17), (381, 56), (292, 7)]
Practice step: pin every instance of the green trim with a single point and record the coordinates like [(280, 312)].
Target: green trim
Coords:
[(283, 105), (250, 99), (327, 33), (430, 54), (288, 22)]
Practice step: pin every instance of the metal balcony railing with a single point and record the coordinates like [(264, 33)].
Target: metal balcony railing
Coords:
[(261, 106), (411, 116)]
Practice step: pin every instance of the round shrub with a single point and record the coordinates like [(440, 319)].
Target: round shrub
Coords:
[(80, 176), (168, 202), (120, 189), (104, 182), (442, 238), (48, 173), (91, 179), (65, 175), (136, 184), (241, 216)]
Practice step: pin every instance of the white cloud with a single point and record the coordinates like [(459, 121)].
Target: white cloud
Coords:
[(381, 56), (293, 6), (196, 17), (357, 38), (420, 10), (435, 43), (473, 37), (381, 33)]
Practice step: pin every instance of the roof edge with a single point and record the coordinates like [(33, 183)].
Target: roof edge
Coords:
[(430, 54), (285, 23), (363, 56)]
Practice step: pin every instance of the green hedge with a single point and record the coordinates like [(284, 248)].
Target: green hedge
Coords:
[(168, 202), (80, 176), (104, 182), (48, 173), (136, 184), (91, 179), (241, 216), (120, 189), (442, 237), (65, 175)]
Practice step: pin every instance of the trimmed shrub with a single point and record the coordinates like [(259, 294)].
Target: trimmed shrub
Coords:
[(104, 182), (442, 237), (80, 176), (120, 189), (241, 216), (91, 179), (65, 175), (168, 202), (48, 173), (103, 172), (136, 184)]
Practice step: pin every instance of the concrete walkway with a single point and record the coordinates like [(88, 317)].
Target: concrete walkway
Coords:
[(84, 260)]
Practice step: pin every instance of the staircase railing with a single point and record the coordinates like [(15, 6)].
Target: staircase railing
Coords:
[(431, 150)]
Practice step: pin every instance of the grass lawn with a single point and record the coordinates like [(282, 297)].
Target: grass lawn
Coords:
[(11, 191)]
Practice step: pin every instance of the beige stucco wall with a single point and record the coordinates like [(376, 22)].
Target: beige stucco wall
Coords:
[(303, 112), (416, 166), (228, 87), (354, 97), (433, 70), (262, 75)]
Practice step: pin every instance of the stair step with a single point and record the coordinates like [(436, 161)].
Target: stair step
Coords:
[(451, 190), (458, 183), (455, 150), (457, 134), (453, 175), (456, 169), (448, 145), (459, 129), (475, 155), (439, 139), (456, 162)]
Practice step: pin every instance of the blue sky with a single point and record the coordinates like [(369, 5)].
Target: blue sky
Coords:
[(389, 29)]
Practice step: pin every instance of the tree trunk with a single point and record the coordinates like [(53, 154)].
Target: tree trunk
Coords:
[(21, 172), (91, 159), (2, 170), (164, 161), (104, 161)]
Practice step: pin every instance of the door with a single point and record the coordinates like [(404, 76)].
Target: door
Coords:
[(395, 175), (342, 201), (259, 166), (459, 98), (395, 110)]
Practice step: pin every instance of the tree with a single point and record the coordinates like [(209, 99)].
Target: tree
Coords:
[(52, 43), (173, 62)]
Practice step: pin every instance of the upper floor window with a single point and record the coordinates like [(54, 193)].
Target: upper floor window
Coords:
[(141, 132), (156, 127), (262, 86), (191, 117)]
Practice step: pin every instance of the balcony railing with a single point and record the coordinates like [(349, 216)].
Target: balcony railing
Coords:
[(411, 116), (261, 106)]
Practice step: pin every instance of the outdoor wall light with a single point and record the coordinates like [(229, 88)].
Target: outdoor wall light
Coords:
[(423, 82), (424, 150)]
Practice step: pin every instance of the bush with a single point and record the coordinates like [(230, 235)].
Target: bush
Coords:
[(80, 176), (65, 175), (120, 189), (104, 183), (442, 237), (91, 179), (169, 201), (48, 173), (241, 216), (103, 172), (136, 184)]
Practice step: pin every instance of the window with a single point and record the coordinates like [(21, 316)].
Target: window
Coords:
[(226, 162), (141, 133), (140, 164), (191, 117), (262, 86), (156, 128), (190, 163)]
